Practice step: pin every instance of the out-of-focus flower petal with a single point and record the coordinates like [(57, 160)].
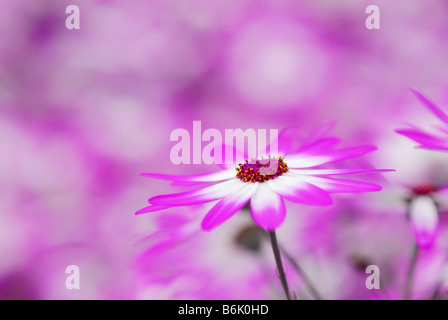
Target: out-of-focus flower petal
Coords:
[(238, 156), (285, 141), (426, 140), (319, 146), (431, 106), (267, 207), (320, 132), (425, 220), (151, 209)]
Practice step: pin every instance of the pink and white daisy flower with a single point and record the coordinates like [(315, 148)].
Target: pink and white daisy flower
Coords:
[(425, 205), (299, 176), (428, 140), (422, 210)]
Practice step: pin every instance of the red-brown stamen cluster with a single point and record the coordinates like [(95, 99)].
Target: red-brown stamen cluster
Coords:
[(425, 189), (261, 170)]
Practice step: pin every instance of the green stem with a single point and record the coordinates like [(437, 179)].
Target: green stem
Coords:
[(411, 271), (278, 261), (305, 278)]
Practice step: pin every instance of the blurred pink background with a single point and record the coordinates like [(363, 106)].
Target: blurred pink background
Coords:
[(84, 112)]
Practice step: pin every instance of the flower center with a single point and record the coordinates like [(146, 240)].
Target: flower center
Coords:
[(261, 170), (425, 189)]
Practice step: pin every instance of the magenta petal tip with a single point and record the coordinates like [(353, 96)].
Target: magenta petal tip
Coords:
[(152, 208)]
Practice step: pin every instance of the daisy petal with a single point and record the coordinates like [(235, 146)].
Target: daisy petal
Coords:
[(431, 106), (320, 146), (296, 190), (425, 139), (304, 161), (267, 208), (228, 206), (335, 171), (214, 176), (442, 129), (341, 186), (207, 194), (286, 138), (151, 209)]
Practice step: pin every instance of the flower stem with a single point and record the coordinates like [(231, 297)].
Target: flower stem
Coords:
[(411, 271), (305, 278), (314, 292), (435, 293), (278, 261)]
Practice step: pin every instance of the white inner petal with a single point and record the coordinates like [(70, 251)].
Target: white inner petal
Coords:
[(284, 183), (221, 189), (424, 213), (264, 197), (217, 176)]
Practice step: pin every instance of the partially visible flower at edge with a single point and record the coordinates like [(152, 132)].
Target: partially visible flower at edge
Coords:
[(422, 209), (424, 218), (427, 140), (423, 212), (299, 178)]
